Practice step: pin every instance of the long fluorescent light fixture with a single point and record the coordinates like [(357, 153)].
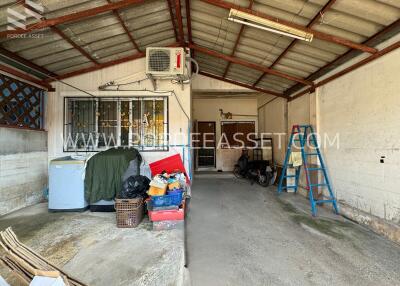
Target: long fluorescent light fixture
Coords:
[(268, 25)]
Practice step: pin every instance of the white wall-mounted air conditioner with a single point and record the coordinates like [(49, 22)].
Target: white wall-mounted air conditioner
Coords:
[(165, 61)]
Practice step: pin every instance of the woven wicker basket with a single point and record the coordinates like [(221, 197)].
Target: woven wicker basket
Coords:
[(129, 212)]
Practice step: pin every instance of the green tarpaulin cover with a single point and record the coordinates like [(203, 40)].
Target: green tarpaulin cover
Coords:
[(104, 171)]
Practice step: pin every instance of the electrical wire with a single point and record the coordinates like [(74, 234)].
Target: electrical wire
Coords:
[(281, 36), (52, 77)]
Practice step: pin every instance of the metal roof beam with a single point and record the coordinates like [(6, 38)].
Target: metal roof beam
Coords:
[(72, 43), (349, 69), (72, 17), (25, 62), (312, 22), (178, 14), (317, 34), (248, 64), (26, 77), (104, 65), (237, 41), (243, 84), (376, 39), (121, 21), (189, 21), (171, 13)]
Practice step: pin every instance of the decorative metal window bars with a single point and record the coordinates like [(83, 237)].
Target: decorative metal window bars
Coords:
[(98, 123)]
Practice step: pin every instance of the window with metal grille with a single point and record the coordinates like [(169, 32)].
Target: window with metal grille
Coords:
[(21, 104), (98, 123)]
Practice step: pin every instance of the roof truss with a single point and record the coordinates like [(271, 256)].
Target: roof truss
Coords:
[(317, 34), (175, 12)]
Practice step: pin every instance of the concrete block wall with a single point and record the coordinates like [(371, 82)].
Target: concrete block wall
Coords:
[(23, 168), (361, 108)]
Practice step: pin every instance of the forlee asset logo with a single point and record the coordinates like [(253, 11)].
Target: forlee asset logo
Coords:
[(18, 15)]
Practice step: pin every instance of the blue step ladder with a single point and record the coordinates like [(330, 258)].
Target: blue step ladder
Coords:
[(304, 134)]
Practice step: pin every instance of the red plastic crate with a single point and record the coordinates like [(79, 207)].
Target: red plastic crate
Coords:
[(167, 215), (170, 165)]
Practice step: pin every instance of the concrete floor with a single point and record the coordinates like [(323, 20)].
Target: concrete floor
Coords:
[(90, 247), (240, 234)]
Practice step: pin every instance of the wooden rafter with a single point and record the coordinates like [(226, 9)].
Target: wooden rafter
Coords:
[(178, 14), (248, 64), (317, 34), (128, 33), (243, 84), (312, 22), (72, 17), (237, 42)]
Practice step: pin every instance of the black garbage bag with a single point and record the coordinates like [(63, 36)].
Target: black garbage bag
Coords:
[(134, 187)]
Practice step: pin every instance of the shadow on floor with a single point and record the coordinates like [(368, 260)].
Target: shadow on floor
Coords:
[(240, 234)]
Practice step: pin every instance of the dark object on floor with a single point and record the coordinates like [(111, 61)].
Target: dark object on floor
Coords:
[(104, 171), (103, 206), (258, 171), (134, 187), (129, 212)]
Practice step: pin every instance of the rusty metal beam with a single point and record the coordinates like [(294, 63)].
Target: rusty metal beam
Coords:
[(72, 43), (72, 17), (248, 64), (243, 84), (25, 62), (128, 33), (171, 13), (104, 65), (26, 77), (350, 69), (317, 34), (237, 42), (178, 14), (188, 21), (383, 35), (312, 22)]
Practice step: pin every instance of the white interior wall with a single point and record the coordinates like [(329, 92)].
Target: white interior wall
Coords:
[(272, 113), (207, 109), (178, 123)]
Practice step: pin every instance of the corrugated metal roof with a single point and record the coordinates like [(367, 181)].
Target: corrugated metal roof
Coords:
[(104, 38)]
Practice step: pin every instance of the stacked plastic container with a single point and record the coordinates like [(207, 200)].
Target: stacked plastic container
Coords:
[(166, 205)]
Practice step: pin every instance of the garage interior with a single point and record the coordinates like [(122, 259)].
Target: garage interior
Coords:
[(259, 137)]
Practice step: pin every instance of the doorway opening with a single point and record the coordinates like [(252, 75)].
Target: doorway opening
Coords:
[(206, 153)]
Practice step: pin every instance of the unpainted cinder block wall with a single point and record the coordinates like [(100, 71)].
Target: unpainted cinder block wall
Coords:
[(23, 168)]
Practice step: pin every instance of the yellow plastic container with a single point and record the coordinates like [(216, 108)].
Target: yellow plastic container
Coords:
[(174, 185), (154, 191)]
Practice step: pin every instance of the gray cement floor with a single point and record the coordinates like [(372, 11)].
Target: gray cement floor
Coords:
[(240, 234), (90, 247)]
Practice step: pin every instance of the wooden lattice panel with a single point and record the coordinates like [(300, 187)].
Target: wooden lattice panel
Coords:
[(20, 103)]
